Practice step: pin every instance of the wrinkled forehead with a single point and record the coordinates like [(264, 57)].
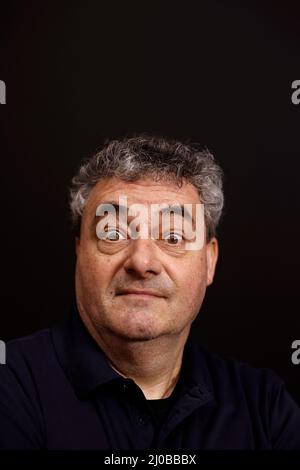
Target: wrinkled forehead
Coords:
[(145, 191), (158, 203)]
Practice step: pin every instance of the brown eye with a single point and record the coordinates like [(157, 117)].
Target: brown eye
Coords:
[(173, 238), (112, 235)]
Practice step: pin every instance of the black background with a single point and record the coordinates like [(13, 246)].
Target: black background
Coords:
[(219, 73)]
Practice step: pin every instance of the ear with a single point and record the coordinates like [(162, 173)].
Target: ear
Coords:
[(77, 245), (212, 251)]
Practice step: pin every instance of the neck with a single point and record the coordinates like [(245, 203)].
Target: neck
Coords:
[(154, 365)]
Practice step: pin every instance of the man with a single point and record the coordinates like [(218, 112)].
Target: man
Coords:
[(125, 371)]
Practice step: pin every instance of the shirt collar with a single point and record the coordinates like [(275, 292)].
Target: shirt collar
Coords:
[(87, 368)]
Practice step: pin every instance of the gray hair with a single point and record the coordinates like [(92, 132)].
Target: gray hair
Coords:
[(159, 158)]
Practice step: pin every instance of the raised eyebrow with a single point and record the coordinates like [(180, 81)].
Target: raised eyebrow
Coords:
[(175, 208), (178, 209), (115, 205), (118, 207)]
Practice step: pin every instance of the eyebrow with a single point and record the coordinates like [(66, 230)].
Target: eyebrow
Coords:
[(173, 208), (177, 209)]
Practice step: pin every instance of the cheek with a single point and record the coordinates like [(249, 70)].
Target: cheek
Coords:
[(191, 271), (95, 271), (191, 281)]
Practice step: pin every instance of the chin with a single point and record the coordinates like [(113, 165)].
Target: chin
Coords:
[(137, 332)]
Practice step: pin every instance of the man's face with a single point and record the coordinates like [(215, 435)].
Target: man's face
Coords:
[(107, 271)]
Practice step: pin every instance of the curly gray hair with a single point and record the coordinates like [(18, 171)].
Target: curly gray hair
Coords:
[(159, 158)]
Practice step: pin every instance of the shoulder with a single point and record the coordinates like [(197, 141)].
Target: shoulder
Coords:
[(233, 372), (31, 365), (29, 352), (28, 361), (226, 374), (259, 394)]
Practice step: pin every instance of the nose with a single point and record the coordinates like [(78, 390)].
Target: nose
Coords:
[(143, 259)]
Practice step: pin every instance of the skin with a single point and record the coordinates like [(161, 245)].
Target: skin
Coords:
[(142, 336)]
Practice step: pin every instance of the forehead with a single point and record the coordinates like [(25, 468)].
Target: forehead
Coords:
[(143, 191)]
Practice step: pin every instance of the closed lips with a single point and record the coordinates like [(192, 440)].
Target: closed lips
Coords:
[(140, 292)]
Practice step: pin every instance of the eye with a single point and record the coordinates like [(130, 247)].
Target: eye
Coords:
[(113, 235), (173, 238)]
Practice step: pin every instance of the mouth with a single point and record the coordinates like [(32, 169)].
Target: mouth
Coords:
[(140, 294)]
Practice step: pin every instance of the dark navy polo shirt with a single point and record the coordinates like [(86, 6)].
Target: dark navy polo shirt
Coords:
[(57, 391)]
